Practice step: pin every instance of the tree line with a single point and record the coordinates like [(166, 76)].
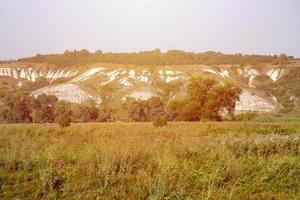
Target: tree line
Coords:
[(206, 99), (155, 57)]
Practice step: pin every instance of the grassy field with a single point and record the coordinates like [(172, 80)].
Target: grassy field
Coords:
[(137, 161)]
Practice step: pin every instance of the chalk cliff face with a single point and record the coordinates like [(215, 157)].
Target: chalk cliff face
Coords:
[(31, 74), (77, 84)]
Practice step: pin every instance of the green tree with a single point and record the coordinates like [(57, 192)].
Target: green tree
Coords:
[(63, 113), (84, 112), (64, 120), (156, 108), (283, 59), (62, 108), (106, 113), (19, 108), (275, 60), (160, 122), (137, 110), (222, 100), (206, 99), (46, 104), (37, 116), (198, 91), (174, 110)]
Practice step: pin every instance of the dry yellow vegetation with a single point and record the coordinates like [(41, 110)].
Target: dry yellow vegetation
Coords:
[(226, 160)]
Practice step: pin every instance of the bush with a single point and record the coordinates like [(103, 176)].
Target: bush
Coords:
[(64, 120), (160, 122), (247, 116)]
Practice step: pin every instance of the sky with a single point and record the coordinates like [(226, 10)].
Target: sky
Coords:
[(29, 27)]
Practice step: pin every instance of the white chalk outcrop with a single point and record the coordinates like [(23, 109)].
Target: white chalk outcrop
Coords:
[(142, 94), (251, 102), (170, 75), (68, 92), (31, 74), (275, 74), (88, 74)]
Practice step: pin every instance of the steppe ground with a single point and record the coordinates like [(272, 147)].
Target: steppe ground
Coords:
[(202, 160)]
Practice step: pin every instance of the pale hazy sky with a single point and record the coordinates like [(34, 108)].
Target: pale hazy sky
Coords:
[(28, 27)]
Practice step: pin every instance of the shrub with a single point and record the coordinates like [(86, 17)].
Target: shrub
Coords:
[(64, 120), (52, 179), (247, 116), (160, 122)]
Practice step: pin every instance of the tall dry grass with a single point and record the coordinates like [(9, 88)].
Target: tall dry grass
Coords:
[(137, 161)]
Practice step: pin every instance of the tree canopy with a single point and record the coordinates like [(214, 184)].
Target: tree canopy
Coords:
[(155, 57), (205, 99)]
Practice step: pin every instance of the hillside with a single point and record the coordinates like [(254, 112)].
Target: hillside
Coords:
[(268, 83), (80, 83)]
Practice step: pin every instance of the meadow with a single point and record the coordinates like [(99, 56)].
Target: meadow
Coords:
[(201, 160)]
